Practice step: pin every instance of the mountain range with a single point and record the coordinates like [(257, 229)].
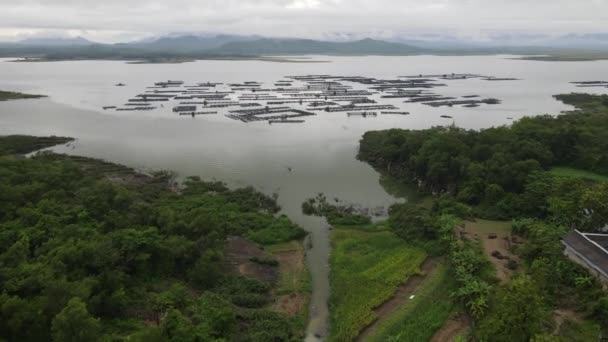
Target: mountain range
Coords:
[(191, 46)]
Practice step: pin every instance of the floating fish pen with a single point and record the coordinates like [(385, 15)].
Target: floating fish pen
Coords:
[(445, 76), (395, 113), (462, 102), (137, 104), (210, 97), (244, 85), (184, 98), (149, 100), (363, 114), (257, 98), (209, 84), (358, 108), (470, 96), (184, 109), (169, 83), (108, 107), (266, 114), (197, 113), (164, 92), (168, 96), (135, 108), (500, 79), (428, 99), (311, 77), (303, 101), (591, 83), (347, 93), (399, 96), (246, 105), (363, 100), (194, 92), (270, 122), (446, 117)]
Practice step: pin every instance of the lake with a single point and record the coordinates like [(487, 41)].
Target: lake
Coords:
[(296, 161)]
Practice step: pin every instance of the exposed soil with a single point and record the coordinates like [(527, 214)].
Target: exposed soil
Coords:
[(451, 329), (240, 251), (290, 305), (401, 296), (562, 315), (500, 243), (291, 262)]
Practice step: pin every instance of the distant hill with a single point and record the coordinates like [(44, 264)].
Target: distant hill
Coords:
[(190, 47), (186, 43), (268, 46), (77, 41)]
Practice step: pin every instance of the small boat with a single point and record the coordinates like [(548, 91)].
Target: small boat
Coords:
[(446, 117), (120, 85)]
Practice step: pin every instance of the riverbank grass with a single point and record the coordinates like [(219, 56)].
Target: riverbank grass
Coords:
[(577, 173), (420, 317), (367, 267)]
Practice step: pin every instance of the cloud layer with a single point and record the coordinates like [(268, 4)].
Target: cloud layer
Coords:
[(113, 20)]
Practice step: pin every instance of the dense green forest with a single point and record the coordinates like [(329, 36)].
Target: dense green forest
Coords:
[(508, 173), (500, 170), (89, 255)]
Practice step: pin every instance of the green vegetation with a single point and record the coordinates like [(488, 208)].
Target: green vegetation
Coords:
[(420, 317), (576, 173), (295, 278), (500, 171), (578, 331), (23, 144), (88, 256), (336, 214), (367, 266), (9, 95), (544, 173)]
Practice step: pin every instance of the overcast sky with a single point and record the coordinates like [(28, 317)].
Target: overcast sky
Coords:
[(120, 20)]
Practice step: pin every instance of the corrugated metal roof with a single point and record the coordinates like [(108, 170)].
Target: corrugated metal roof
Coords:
[(592, 252)]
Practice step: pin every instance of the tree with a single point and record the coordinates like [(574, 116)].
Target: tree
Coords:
[(519, 313), (175, 327), (214, 315), (595, 201), (75, 324), (411, 222)]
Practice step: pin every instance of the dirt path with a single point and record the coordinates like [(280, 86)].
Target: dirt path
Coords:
[(451, 329), (402, 294)]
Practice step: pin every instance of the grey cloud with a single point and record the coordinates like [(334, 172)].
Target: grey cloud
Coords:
[(117, 19)]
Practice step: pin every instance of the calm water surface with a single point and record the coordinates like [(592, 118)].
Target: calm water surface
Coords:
[(321, 152)]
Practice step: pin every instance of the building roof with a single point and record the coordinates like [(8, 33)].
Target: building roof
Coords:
[(592, 248)]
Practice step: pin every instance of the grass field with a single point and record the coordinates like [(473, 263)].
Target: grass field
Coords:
[(423, 315), (488, 226), (572, 331), (571, 172), (367, 266)]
